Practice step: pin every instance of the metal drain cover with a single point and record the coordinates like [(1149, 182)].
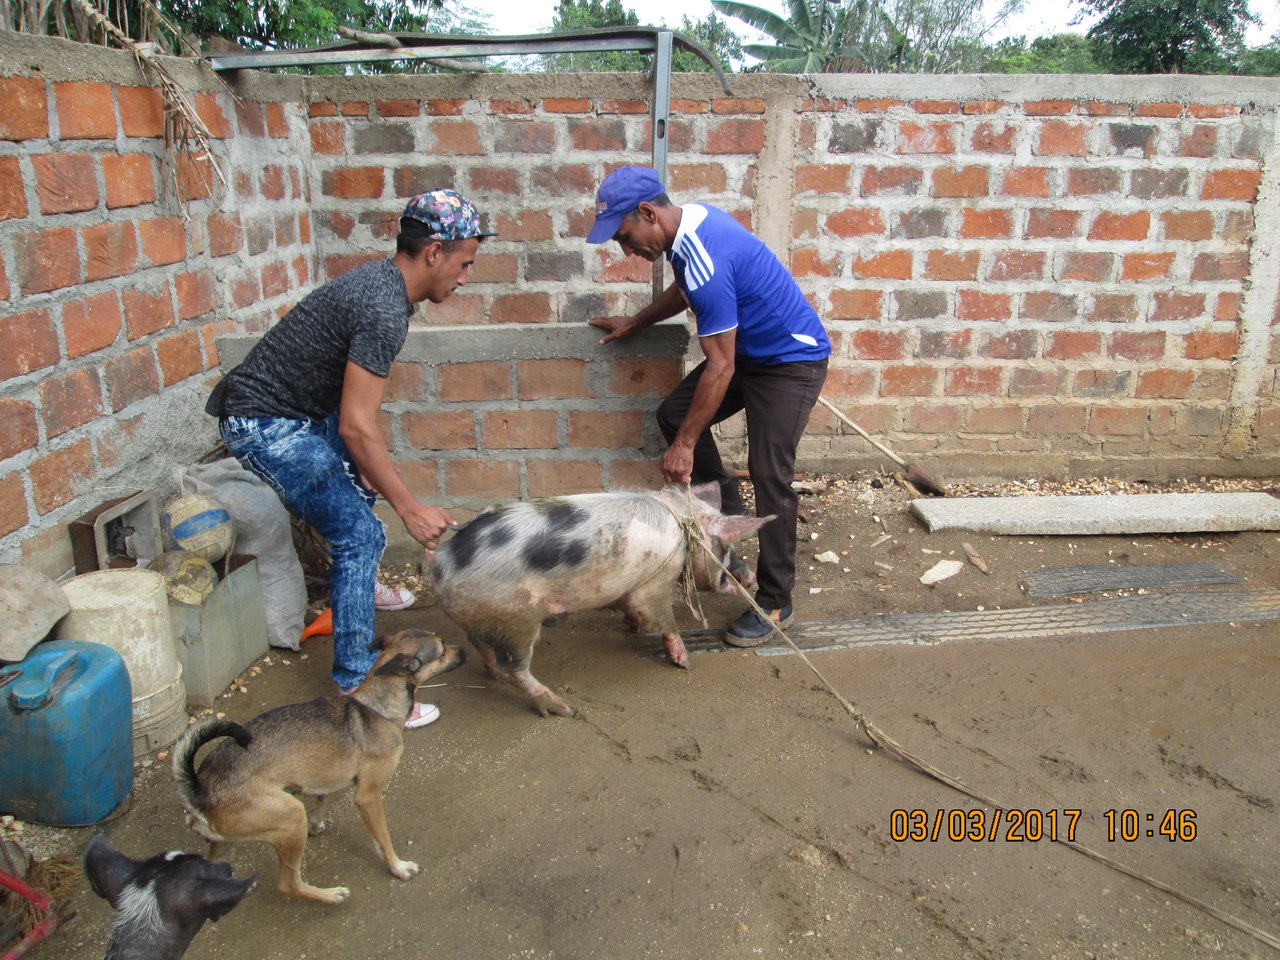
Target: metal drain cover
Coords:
[(1064, 581), (1098, 616)]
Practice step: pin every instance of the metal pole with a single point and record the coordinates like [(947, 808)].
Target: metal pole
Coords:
[(661, 114)]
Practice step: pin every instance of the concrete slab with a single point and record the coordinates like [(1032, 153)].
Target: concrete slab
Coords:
[(1106, 514)]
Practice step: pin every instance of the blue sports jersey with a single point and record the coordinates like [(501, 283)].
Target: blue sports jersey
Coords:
[(731, 279)]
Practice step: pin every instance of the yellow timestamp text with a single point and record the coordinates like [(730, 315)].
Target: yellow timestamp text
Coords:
[(979, 825), (1127, 826)]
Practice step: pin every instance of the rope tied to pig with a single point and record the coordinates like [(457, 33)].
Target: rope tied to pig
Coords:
[(879, 738)]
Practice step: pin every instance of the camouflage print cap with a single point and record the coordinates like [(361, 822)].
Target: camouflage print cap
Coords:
[(441, 215)]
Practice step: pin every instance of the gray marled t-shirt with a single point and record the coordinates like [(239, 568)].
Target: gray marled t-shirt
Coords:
[(296, 370)]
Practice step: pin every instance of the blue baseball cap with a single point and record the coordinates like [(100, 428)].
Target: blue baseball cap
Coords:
[(622, 191), (441, 215)]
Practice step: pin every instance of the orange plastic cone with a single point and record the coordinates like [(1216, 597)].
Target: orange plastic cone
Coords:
[(321, 624)]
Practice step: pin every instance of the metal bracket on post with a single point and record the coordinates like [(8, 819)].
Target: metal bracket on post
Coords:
[(661, 114)]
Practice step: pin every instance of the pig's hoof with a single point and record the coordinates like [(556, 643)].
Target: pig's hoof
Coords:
[(682, 663), (549, 703)]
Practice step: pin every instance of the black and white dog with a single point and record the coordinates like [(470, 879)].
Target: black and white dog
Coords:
[(160, 903)]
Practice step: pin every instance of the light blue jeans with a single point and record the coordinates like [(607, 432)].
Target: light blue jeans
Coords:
[(308, 465)]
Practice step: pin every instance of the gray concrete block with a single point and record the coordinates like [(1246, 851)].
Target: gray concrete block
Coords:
[(1105, 514)]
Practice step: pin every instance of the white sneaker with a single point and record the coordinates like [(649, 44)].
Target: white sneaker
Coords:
[(423, 713), (391, 598)]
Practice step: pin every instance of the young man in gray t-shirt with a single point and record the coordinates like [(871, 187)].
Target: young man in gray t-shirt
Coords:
[(301, 411)]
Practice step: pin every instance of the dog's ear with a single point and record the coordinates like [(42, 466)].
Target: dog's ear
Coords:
[(377, 643), (401, 665)]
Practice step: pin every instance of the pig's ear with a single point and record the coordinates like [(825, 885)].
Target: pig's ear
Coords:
[(376, 644), (708, 493), (729, 529), (107, 871)]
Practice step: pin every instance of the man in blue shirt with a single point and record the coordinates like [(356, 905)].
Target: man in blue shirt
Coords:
[(766, 354)]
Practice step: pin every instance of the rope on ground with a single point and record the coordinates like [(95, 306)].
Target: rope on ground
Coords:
[(886, 742)]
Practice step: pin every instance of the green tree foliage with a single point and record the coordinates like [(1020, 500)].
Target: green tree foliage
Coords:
[(280, 24), (716, 35), (1063, 53), (587, 15), (902, 36), (1169, 36)]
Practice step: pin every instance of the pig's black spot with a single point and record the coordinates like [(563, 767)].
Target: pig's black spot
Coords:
[(552, 551), (563, 517), (475, 537)]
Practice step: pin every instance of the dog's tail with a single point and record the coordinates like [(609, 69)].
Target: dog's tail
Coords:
[(184, 753)]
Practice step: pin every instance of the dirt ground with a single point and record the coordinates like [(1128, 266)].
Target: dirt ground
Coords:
[(736, 811)]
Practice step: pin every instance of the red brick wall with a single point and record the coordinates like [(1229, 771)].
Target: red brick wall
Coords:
[(1048, 275)]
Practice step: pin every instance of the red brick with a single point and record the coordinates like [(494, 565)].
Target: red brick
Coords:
[(807, 262), (164, 240), (398, 108), (336, 264), (1138, 346), (46, 260), (971, 181), (521, 308), (474, 381), (354, 108), (935, 106), (566, 105), (993, 138), (226, 236), (552, 379), (209, 109), (455, 138), (518, 429), (84, 111), (1201, 142), (245, 290), (517, 107), (70, 400), (111, 250), (1212, 111), (26, 109), (13, 199), (1121, 226), (57, 476), (1096, 108), (195, 177), (1231, 184), (1059, 138), (948, 265), (13, 503), (445, 108), (131, 377), (1145, 266), (902, 181), (1027, 382), (878, 345), (1015, 345), (972, 381), (556, 478), (1206, 345), (146, 313), (141, 111), (993, 420), (925, 137), (889, 265), (65, 182), (1228, 306), (848, 382), (129, 178), (1049, 305), (483, 478), (179, 357), (1113, 307), (908, 381), (91, 324), (644, 378), (249, 119), (20, 429), (272, 182), (524, 225), (1177, 306), (1089, 267), (277, 121), (1159, 110), (1026, 182), (354, 183), (989, 224), (1047, 108), (876, 105), (1057, 418), (977, 305), (275, 279), (708, 178), (324, 108), (1221, 267), (853, 222), (327, 137), (821, 178), (856, 304), (607, 430), (1092, 181), (1187, 224), (1047, 222), (1072, 345), (622, 106), (736, 136), (944, 344), (1018, 265), (28, 342), (440, 430), (1164, 383)]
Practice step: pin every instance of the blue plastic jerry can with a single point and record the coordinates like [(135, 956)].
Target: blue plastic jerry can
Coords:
[(66, 733)]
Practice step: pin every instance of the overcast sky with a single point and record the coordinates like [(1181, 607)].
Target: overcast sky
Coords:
[(1040, 17)]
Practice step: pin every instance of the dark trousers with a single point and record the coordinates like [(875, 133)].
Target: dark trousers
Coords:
[(778, 399)]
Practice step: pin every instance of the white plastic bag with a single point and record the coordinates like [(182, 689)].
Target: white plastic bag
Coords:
[(263, 530)]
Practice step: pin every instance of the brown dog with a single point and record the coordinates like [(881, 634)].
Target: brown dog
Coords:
[(248, 789)]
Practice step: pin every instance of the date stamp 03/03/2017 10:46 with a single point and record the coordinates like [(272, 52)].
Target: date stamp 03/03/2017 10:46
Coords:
[(1033, 825)]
